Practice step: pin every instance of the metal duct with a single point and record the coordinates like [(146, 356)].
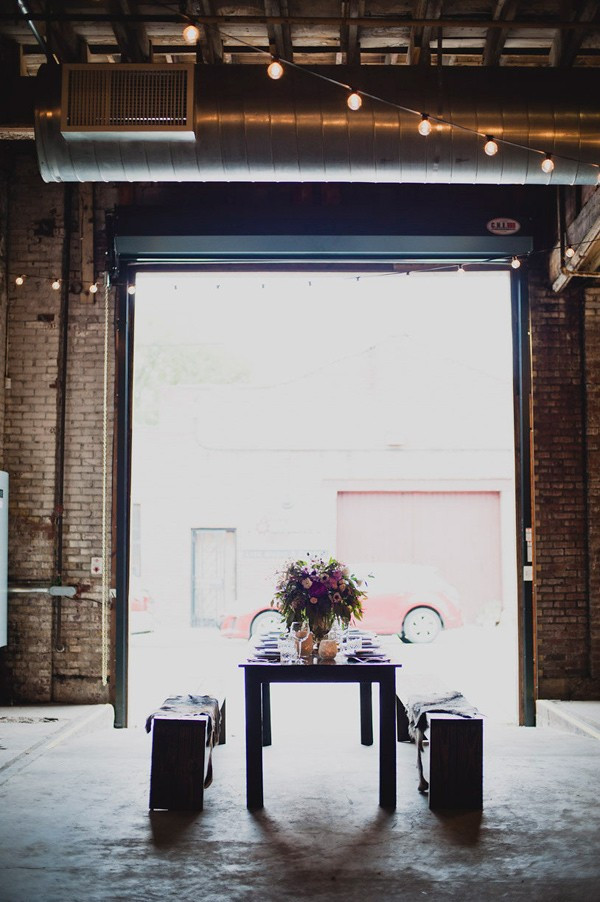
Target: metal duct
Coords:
[(250, 128)]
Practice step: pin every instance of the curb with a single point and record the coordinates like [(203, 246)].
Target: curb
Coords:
[(551, 713)]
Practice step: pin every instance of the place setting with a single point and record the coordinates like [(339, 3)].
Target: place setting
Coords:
[(320, 604)]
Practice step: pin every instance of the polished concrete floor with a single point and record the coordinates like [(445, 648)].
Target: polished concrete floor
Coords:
[(75, 825)]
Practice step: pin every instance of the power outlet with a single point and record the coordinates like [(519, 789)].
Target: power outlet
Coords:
[(96, 567)]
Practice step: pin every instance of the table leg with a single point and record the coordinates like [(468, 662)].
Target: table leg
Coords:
[(387, 741), (266, 713), (254, 762), (366, 714)]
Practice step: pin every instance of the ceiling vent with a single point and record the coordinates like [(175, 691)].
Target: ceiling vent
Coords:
[(127, 101)]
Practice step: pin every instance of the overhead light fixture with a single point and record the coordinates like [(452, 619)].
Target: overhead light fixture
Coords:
[(19, 280), (56, 284), (93, 288), (490, 146), (424, 126), (570, 252), (515, 263), (548, 164), (131, 289), (354, 101), (191, 34), (274, 69)]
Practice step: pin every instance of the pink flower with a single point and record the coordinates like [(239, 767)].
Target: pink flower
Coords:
[(333, 582), (337, 597), (313, 600), (307, 583), (337, 574)]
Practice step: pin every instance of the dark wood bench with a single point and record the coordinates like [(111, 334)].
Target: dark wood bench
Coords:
[(181, 767), (449, 757)]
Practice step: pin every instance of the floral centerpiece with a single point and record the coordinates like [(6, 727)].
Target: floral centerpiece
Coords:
[(318, 591)]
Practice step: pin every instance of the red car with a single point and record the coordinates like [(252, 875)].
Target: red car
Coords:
[(412, 600)]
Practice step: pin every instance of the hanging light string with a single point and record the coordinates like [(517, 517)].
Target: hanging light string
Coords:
[(355, 96)]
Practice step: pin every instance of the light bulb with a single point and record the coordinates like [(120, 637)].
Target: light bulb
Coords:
[(93, 288), (56, 284), (354, 101), (461, 270), (547, 164), (570, 252), (19, 280), (131, 289), (275, 69), (191, 34), (424, 126), (515, 263), (490, 146)]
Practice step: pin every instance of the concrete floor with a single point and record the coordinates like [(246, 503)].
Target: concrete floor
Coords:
[(75, 826)]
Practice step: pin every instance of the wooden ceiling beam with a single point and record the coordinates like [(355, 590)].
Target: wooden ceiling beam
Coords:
[(419, 48), (349, 31), (280, 36), (213, 42), (61, 38), (566, 44), (11, 58), (504, 11), (131, 36)]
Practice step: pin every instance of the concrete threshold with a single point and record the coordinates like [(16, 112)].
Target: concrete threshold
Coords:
[(574, 717), (26, 732)]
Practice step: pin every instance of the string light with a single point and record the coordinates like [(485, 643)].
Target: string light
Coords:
[(461, 270), (354, 101), (490, 146), (93, 288), (515, 263), (570, 252), (548, 164), (191, 34), (56, 285), (274, 69), (131, 289), (424, 127), (19, 280)]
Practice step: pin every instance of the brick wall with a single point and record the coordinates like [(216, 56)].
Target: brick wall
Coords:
[(54, 651), (566, 537)]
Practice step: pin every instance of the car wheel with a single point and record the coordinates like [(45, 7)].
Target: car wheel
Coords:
[(421, 625), (265, 621)]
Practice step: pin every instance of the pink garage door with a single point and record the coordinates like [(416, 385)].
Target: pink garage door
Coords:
[(458, 533)]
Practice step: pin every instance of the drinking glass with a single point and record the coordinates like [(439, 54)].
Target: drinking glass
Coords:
[(298, 631), (286, 645)]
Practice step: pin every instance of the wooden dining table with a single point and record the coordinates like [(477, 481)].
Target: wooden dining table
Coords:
[(258, 678)]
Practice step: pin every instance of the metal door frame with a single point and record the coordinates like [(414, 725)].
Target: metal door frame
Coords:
[(523, 434)]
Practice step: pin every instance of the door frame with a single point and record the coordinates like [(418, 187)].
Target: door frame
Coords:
[(521, 331)]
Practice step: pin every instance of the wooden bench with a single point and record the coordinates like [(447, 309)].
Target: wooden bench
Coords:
[(452, 761), (449, 757), (181, 767)]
